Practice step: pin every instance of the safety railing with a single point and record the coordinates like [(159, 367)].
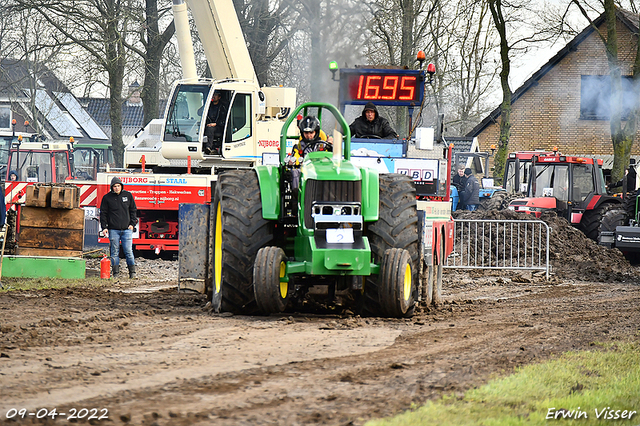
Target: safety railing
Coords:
[(500, 244)]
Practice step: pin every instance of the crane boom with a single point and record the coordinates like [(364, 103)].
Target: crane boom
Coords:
[(185, 44), (253, 115), (222, 39)]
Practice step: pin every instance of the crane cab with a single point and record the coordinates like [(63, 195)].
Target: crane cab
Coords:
[(184, 132), (251, 125)]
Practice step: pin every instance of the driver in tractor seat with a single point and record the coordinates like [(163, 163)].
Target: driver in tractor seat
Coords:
[(371, 125), (310, 141)]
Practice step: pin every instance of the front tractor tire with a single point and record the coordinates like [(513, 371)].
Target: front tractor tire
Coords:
[(238, 232), (396, 283), (396, 228), (271, 292)]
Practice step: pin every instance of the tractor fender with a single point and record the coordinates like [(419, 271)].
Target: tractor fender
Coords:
[(598, 200), (370, 194), (442, 240), (269, 181)]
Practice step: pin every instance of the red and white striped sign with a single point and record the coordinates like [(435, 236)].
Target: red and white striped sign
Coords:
[(15, 193), (88, 195)]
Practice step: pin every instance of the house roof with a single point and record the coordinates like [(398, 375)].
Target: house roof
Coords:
[(59, 115), (15, 77), (465, 144), (132, 114), (627, 18)]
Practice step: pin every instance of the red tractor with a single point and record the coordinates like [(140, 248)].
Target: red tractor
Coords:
[(571, 186)]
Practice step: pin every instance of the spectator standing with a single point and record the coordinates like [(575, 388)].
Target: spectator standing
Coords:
[(371, 124), (471, 194), (118, 218), (630, 175), (459, 182)]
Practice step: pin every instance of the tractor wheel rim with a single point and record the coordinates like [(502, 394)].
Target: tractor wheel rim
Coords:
[(218, 250), (284, 286), (407, 282)]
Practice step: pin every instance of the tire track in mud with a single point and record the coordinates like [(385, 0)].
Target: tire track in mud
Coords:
[(161, 358)]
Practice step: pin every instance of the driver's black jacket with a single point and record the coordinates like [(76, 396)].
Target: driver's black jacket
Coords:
[(380, 126)]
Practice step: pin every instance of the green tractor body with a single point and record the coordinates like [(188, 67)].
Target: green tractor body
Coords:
[(317, 226), (317, 249)]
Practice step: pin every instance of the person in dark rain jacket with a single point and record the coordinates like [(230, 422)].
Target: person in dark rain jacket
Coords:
[(471, 194), (371, 124), (118, 218)]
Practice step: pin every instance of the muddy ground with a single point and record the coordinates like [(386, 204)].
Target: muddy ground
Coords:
[(150, 355)]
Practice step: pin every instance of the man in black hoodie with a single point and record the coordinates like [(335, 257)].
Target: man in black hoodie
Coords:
[(370, 124), (118, 218)]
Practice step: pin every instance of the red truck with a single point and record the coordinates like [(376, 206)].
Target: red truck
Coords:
[(158, 198)]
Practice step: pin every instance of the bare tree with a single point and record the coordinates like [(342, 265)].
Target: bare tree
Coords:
[(268, 26), (622, 135), (505, 107), (34, 49), (99, 27), (470, 59), (328, 30), (517, 31), (153, 43), (399, 29), (412, 17)]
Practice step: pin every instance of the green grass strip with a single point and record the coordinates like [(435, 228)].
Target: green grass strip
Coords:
[(575, 385), (17, 284)]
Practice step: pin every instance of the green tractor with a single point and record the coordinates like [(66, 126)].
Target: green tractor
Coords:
[(340, 235)]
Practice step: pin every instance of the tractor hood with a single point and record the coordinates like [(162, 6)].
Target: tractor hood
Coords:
[(533, 205), (322, 166)]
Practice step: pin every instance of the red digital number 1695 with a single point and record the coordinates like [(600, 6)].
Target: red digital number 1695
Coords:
[(388, 87)]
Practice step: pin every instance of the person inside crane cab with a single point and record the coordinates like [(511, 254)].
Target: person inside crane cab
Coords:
[(214, 129), (371, 125), (310, 139)]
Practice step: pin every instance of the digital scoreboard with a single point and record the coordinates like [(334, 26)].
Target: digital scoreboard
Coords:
[(396, 87)]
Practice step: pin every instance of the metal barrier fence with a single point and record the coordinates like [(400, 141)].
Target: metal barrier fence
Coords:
[(500, 244)]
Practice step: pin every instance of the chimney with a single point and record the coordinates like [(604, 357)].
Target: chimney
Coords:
[(134, 94)]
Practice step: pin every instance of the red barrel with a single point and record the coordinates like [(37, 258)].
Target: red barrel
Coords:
[(105, 267)]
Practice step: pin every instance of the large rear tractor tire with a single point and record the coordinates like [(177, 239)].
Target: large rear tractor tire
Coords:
[(612, 219), (592, 219), (239, 231), (272, 294), (396, 283), (396, 228)]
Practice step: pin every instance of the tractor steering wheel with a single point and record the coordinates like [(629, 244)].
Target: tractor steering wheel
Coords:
[(370, 137), (311, 147)]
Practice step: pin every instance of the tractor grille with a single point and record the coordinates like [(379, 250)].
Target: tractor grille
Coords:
[(329, 191)]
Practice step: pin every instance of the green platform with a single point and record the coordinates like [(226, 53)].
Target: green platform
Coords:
[(43, 267)]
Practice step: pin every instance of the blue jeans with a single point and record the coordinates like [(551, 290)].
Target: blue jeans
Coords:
[(115, 237), (472, 207)]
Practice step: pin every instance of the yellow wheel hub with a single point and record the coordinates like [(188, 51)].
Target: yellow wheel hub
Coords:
[(284, 286), (407, 282)]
